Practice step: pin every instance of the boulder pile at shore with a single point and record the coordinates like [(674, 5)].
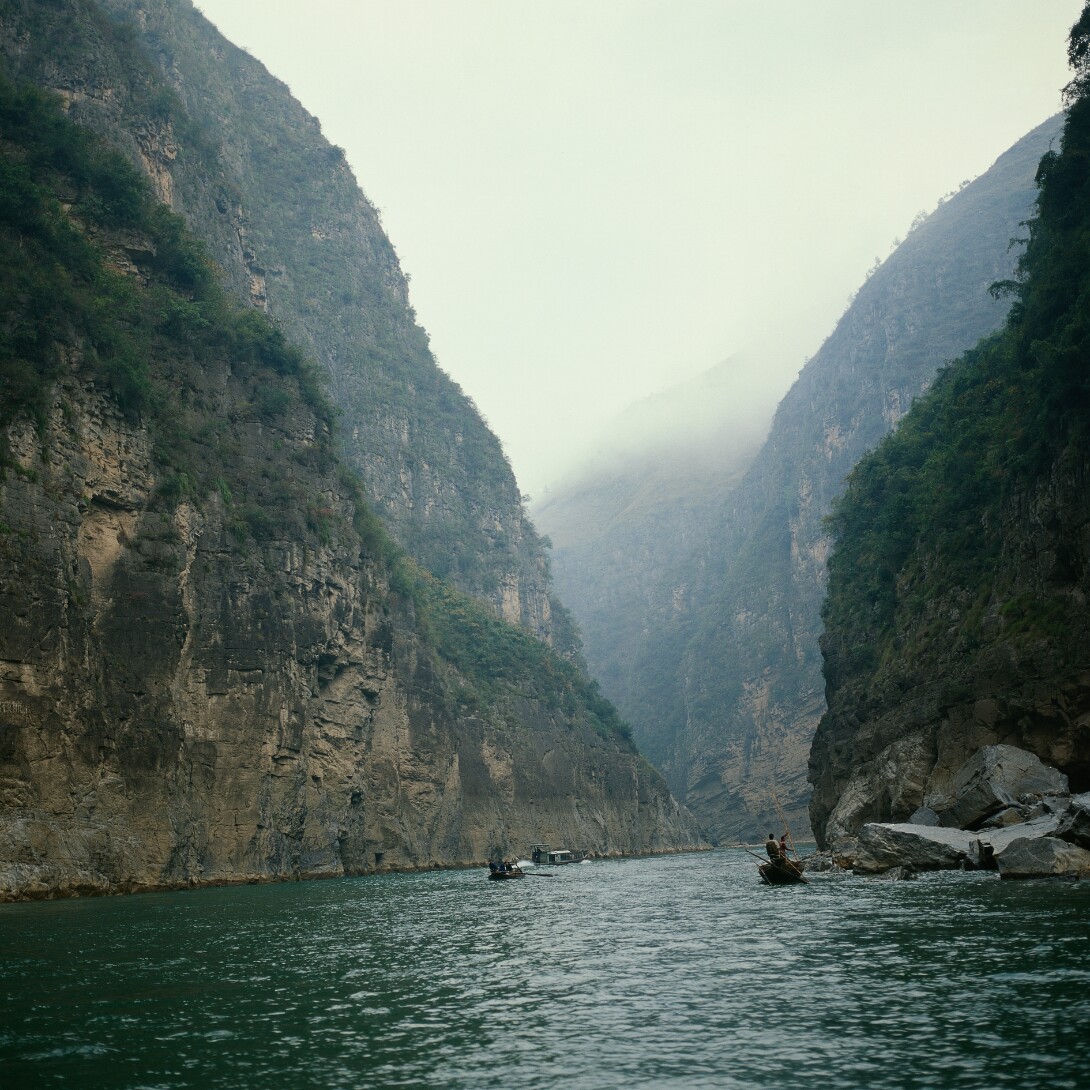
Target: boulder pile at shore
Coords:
[(1007, 811)]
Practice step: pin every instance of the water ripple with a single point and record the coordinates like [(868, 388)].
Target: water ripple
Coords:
[(681, 972)]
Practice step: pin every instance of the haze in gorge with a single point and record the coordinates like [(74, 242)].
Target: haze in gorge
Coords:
[(597, 201), (677, 203)]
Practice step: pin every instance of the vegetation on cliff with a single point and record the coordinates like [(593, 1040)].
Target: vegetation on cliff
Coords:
[(497, 663), (280, 212), (65, 291), (318, 258), (923, 512), (73, 215), (960, 560)]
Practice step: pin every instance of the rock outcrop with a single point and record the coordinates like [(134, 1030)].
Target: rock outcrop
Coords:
[(1047, 838), (1043, 857), (885, 847), (1074, 825), (994, 779)]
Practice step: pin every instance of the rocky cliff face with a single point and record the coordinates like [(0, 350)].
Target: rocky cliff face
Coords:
[(175, 709), (226, 145), (214, 663), (963, 675), (728, 689)]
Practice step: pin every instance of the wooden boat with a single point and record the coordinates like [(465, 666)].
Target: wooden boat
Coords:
[(781, 873), (505, 875), (781, 870)]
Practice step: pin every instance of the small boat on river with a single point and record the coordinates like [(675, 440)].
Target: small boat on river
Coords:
[(781, 873), (780, 870), (498, 873)]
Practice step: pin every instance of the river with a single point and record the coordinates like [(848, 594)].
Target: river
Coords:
[(674, 971)]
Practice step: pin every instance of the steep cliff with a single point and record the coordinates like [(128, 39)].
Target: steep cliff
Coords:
[(726, 691), (956, 615), (228, 147), (214, 664)]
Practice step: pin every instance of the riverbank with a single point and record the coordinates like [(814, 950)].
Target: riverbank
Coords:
[(21, 884)]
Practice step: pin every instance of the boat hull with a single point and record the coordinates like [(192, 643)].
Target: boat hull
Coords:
[(781, 874)]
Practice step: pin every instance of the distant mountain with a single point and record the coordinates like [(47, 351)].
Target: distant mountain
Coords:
[(725, 690), (637, 510), (956, 616)]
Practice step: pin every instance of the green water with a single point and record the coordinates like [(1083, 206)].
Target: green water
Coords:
[(679, 972)]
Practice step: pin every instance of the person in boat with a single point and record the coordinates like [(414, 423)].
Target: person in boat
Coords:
[(783, 845), (772, 846), (492, 866)]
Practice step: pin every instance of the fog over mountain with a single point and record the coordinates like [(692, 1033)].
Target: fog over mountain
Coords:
[(596, 201), (635, 507), (697, 576), (704, 423)]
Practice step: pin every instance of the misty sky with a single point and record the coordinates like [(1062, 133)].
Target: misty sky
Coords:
[(598, 198)]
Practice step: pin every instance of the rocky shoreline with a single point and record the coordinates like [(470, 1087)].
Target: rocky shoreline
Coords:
[(1007, 812)]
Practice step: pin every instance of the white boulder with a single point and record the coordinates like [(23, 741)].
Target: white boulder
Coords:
[(922, 847)]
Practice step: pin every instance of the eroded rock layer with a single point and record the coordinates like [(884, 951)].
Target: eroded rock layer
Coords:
[(177, 709)]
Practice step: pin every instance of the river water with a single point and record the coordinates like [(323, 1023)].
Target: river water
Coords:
[(676, 971)]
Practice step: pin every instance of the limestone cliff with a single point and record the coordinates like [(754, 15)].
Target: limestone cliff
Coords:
[(214, 663), (175, 709)]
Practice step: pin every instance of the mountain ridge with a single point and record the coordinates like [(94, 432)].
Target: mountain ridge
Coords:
[(956, 613)]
